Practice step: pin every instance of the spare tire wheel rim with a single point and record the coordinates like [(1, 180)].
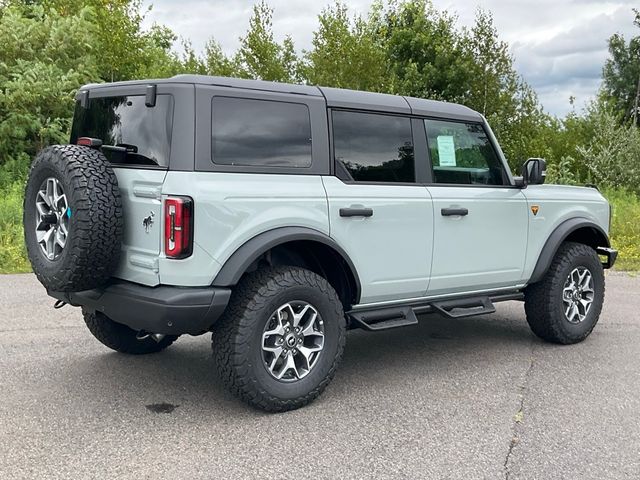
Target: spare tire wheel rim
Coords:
[(292, 341), (52, 218), (578, 294)]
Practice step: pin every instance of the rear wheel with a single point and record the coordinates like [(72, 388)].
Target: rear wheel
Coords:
[(565, 305), (123, 339), (280, 339)]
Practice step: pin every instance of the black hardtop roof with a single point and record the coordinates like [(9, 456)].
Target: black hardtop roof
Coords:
[(335, 97)]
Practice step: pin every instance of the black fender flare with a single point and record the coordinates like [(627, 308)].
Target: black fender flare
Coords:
[(559, 235), (238, 263)]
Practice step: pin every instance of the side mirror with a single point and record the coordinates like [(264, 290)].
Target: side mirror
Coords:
[(534, 171)]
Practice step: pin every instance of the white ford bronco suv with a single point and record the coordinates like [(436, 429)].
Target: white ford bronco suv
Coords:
[(278, 216)]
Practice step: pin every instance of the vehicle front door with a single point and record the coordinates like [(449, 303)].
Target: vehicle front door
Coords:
[(480, 218)]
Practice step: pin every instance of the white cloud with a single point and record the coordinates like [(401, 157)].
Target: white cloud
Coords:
[(559, 45)]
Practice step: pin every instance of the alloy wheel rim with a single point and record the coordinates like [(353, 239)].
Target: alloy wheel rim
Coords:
[(52, 218), (578, 294), (292, 341)]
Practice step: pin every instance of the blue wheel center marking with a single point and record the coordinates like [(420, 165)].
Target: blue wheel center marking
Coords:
[(68, 212)]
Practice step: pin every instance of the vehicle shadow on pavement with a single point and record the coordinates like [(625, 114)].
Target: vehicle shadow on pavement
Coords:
[(183, 376)]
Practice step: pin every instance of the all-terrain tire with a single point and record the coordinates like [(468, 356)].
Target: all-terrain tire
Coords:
[(237, 337), (121, 338), (544, 305), (95, 219)]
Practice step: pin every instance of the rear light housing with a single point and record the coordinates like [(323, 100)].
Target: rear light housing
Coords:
[(178, 227), (89, 142)]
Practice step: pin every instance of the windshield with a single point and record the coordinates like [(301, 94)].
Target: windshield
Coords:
[(131, 132)]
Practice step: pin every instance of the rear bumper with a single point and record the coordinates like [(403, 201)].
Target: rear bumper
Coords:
[(163, 309), (611, 255)]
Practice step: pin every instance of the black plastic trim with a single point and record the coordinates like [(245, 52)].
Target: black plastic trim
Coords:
[(83, 98), (424, 174), (356, 212), (164, 309), (611, 255), (243, 257), (384, 319), (556, 238), (449, 212), (404, 314), (150, 95), (464, 307)]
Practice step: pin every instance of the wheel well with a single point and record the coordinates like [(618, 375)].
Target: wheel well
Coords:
[(577, 230), (588, 236), (317, 257)]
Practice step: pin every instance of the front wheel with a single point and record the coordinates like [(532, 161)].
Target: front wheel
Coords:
[(280, 339), (565, 305)]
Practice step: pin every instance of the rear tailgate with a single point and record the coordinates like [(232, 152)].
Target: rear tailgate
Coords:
[(142, 205), (136, 137)]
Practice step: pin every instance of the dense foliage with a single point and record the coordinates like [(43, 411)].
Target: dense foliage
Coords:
[(621, 76), (48, 48)]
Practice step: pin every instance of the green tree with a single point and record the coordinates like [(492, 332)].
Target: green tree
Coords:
[(425, 54), (621, 75), (124, 50), (345, 54), (260, 56), (494, 83), (45, 57), (612, 154), (217, 63)]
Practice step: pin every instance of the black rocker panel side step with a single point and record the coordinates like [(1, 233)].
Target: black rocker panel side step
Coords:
[(467, 307), (384, 319)]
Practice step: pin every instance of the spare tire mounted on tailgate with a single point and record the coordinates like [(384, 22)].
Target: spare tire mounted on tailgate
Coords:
[(73, 222)]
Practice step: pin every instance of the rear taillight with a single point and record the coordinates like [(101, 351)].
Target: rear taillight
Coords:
[(178, 227), (89, 142)]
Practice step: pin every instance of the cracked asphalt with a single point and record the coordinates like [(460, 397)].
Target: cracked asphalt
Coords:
[(477, 398)]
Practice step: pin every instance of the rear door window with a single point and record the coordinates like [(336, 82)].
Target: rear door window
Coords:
[(250, 132), (373, 147), (131, 132)]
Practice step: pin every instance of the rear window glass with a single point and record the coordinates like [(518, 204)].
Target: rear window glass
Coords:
[(260, 133), (374, 147), (131, 132)]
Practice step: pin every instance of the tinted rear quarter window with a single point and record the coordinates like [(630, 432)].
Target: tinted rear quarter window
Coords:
[(249, 132), (131, 132), (374, 147)]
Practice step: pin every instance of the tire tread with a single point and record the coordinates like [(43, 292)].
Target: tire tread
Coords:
[(541, 297), (232, 334), (95, 236)]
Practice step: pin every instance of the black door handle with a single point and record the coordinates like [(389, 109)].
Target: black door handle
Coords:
[(448, 212), (356, 212)]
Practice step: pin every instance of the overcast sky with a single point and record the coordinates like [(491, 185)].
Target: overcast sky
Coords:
[(559, 45)]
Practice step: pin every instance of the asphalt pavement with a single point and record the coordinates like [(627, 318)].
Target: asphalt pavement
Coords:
[(477, 398)]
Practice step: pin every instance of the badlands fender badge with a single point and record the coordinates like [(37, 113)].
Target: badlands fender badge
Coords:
[(534, 209)]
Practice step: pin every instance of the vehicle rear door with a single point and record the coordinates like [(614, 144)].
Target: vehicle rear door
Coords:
[(378, 212)]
